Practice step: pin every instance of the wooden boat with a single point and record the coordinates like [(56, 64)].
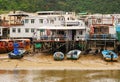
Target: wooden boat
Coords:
[(12, 55), (109, 55), (73, 54), (58, 56)]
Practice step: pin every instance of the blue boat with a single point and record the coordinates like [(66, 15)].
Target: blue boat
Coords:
[(109, 55), (16, 53), (20, 54), (58, 56), (73, 54)]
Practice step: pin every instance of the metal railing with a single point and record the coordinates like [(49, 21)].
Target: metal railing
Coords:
[(64, 38), (56, 38), (102, 36)]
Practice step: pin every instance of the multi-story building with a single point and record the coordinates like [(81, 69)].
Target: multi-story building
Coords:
[(102, 30), (48, 25)]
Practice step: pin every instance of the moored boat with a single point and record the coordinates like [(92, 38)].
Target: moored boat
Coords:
[(58, 56), (16, 53), (109, 55), (73, 54), (12, 55)]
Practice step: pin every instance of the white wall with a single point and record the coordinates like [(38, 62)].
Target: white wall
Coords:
[(22, 34), (46, 21), (1, 31), (112, 30)]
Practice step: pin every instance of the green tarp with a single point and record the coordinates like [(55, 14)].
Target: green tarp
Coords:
[(38, 45), (118, 36), (42, 30)]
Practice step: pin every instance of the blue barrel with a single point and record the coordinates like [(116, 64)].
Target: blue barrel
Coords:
[(16, 51)]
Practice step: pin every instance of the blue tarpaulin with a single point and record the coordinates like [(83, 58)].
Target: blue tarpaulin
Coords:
[(118, 32)]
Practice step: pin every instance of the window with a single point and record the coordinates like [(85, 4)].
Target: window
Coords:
[(81, 32), (26, 30), (0, 32), (118, 20), (26, 20), (22, 22), (32, 20), (52, 21), (19, 30), (59, 18), (55, 19), (40, 20), (96, 30), (47, 21), (68, 18), (32, 30), (81, 24), (14, 30), (63, 18)]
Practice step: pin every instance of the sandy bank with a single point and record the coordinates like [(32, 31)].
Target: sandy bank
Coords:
[(42, 61)]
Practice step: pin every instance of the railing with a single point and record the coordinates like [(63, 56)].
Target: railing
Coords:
[(18, 24), (70, 23), (81, 37), (56, 38), (102, 21), (102, 36), (64, 38)]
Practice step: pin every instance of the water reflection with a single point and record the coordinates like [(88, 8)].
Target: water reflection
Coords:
[(59, 76)]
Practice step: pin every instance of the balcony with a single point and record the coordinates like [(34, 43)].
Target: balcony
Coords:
[(102, 37), (71, 23), (102, 21)]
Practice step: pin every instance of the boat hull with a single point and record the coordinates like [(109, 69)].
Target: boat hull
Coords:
[(109, 55), (73, 54), (58, 56), (11, 55)]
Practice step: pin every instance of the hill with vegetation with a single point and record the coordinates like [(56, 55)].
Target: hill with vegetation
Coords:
[(90, 6)]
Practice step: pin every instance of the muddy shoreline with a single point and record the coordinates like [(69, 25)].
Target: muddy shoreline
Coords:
[(43, 61)]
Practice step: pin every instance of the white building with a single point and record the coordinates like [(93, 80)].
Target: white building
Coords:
[(49, 25), (102, 23)]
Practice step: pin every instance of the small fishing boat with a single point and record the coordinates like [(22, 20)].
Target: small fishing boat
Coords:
[(73, 54), (109, 55), (19, 55), (16, 53), (58, 56)]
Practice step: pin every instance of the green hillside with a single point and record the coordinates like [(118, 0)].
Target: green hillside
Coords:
[(91, 6)]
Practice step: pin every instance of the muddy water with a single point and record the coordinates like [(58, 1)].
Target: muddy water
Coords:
[(59, 76)]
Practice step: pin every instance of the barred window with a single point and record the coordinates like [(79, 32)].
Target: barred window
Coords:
[(32, 20), (40, 20), (19, 30), (26, 20), (32, 30), (26, 30), (14, 30)]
